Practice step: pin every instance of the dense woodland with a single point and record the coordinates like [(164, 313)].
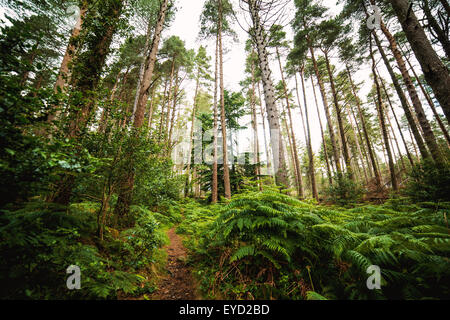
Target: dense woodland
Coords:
[(97, 104)]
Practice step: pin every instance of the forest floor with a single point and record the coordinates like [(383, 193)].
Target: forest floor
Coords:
[(179, 283)]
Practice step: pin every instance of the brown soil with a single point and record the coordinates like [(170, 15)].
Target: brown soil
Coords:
[(178, 284)]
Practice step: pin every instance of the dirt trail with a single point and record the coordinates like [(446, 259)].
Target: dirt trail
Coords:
[(178, 284)]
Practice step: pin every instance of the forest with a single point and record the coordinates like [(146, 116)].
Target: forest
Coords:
[(224, 150)]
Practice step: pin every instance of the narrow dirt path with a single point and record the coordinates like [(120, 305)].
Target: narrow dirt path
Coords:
[(178, 284)]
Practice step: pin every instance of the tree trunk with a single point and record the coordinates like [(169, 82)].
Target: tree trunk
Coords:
[(126, 191), (150, 65), (429, 137), (226, 170), (255, 128), (339, 119), (64, 72), (174, 106), (435, 72), (298, 172), (312, 170), (327, 110), (380, 108), (279, 162), (268, 156), (404, 102), (433, 25), (191, 136), (86, 83), (366, 134), (327, 161), (430, 103), (396, 120), (214, 185)]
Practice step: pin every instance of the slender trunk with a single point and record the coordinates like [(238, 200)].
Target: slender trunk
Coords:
[(327, 161), (298, 173), (214, 186), (150, 65), (430, 103), (170, 94), (327, 110), (429, 137), (126, 189), (312, 170), (150, 111), (366, 134), (380, 108), (339, 118), (408, 154), (358, 147), (163, 103), (404, 102), (174, 106), (191, 136), (362, 145), (226, 170), (268, 156), (142, 70), (434, 70), (255, 128)]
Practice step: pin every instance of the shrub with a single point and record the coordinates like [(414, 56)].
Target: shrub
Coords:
[(429, 182), (344, 191)]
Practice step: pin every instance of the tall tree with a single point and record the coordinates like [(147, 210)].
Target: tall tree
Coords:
[(277, 40), (435, 72), (305, 27), (258, 9), (126, 191)]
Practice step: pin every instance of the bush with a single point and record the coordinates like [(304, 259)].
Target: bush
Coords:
[(266, 245), (429, 182), (39, 242), (344, 191)]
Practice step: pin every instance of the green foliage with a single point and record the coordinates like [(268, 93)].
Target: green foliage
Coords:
[(267, 245), (40, 241), (344, 191), (429, 182)]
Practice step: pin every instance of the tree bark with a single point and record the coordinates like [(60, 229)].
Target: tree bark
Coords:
[(122, 207), (312, 170), (404, 102), (339, 119), (327, 110), (435, 72), (365, 132), (327, 161), (226, 170), (279, 162), (150, 66), (408, 154), (433, 25), (298, 172), (429, 137), (380, 109), (214, 186)]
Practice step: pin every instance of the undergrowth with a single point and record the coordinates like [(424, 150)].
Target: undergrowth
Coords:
[(39, 241), (265, 245)]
